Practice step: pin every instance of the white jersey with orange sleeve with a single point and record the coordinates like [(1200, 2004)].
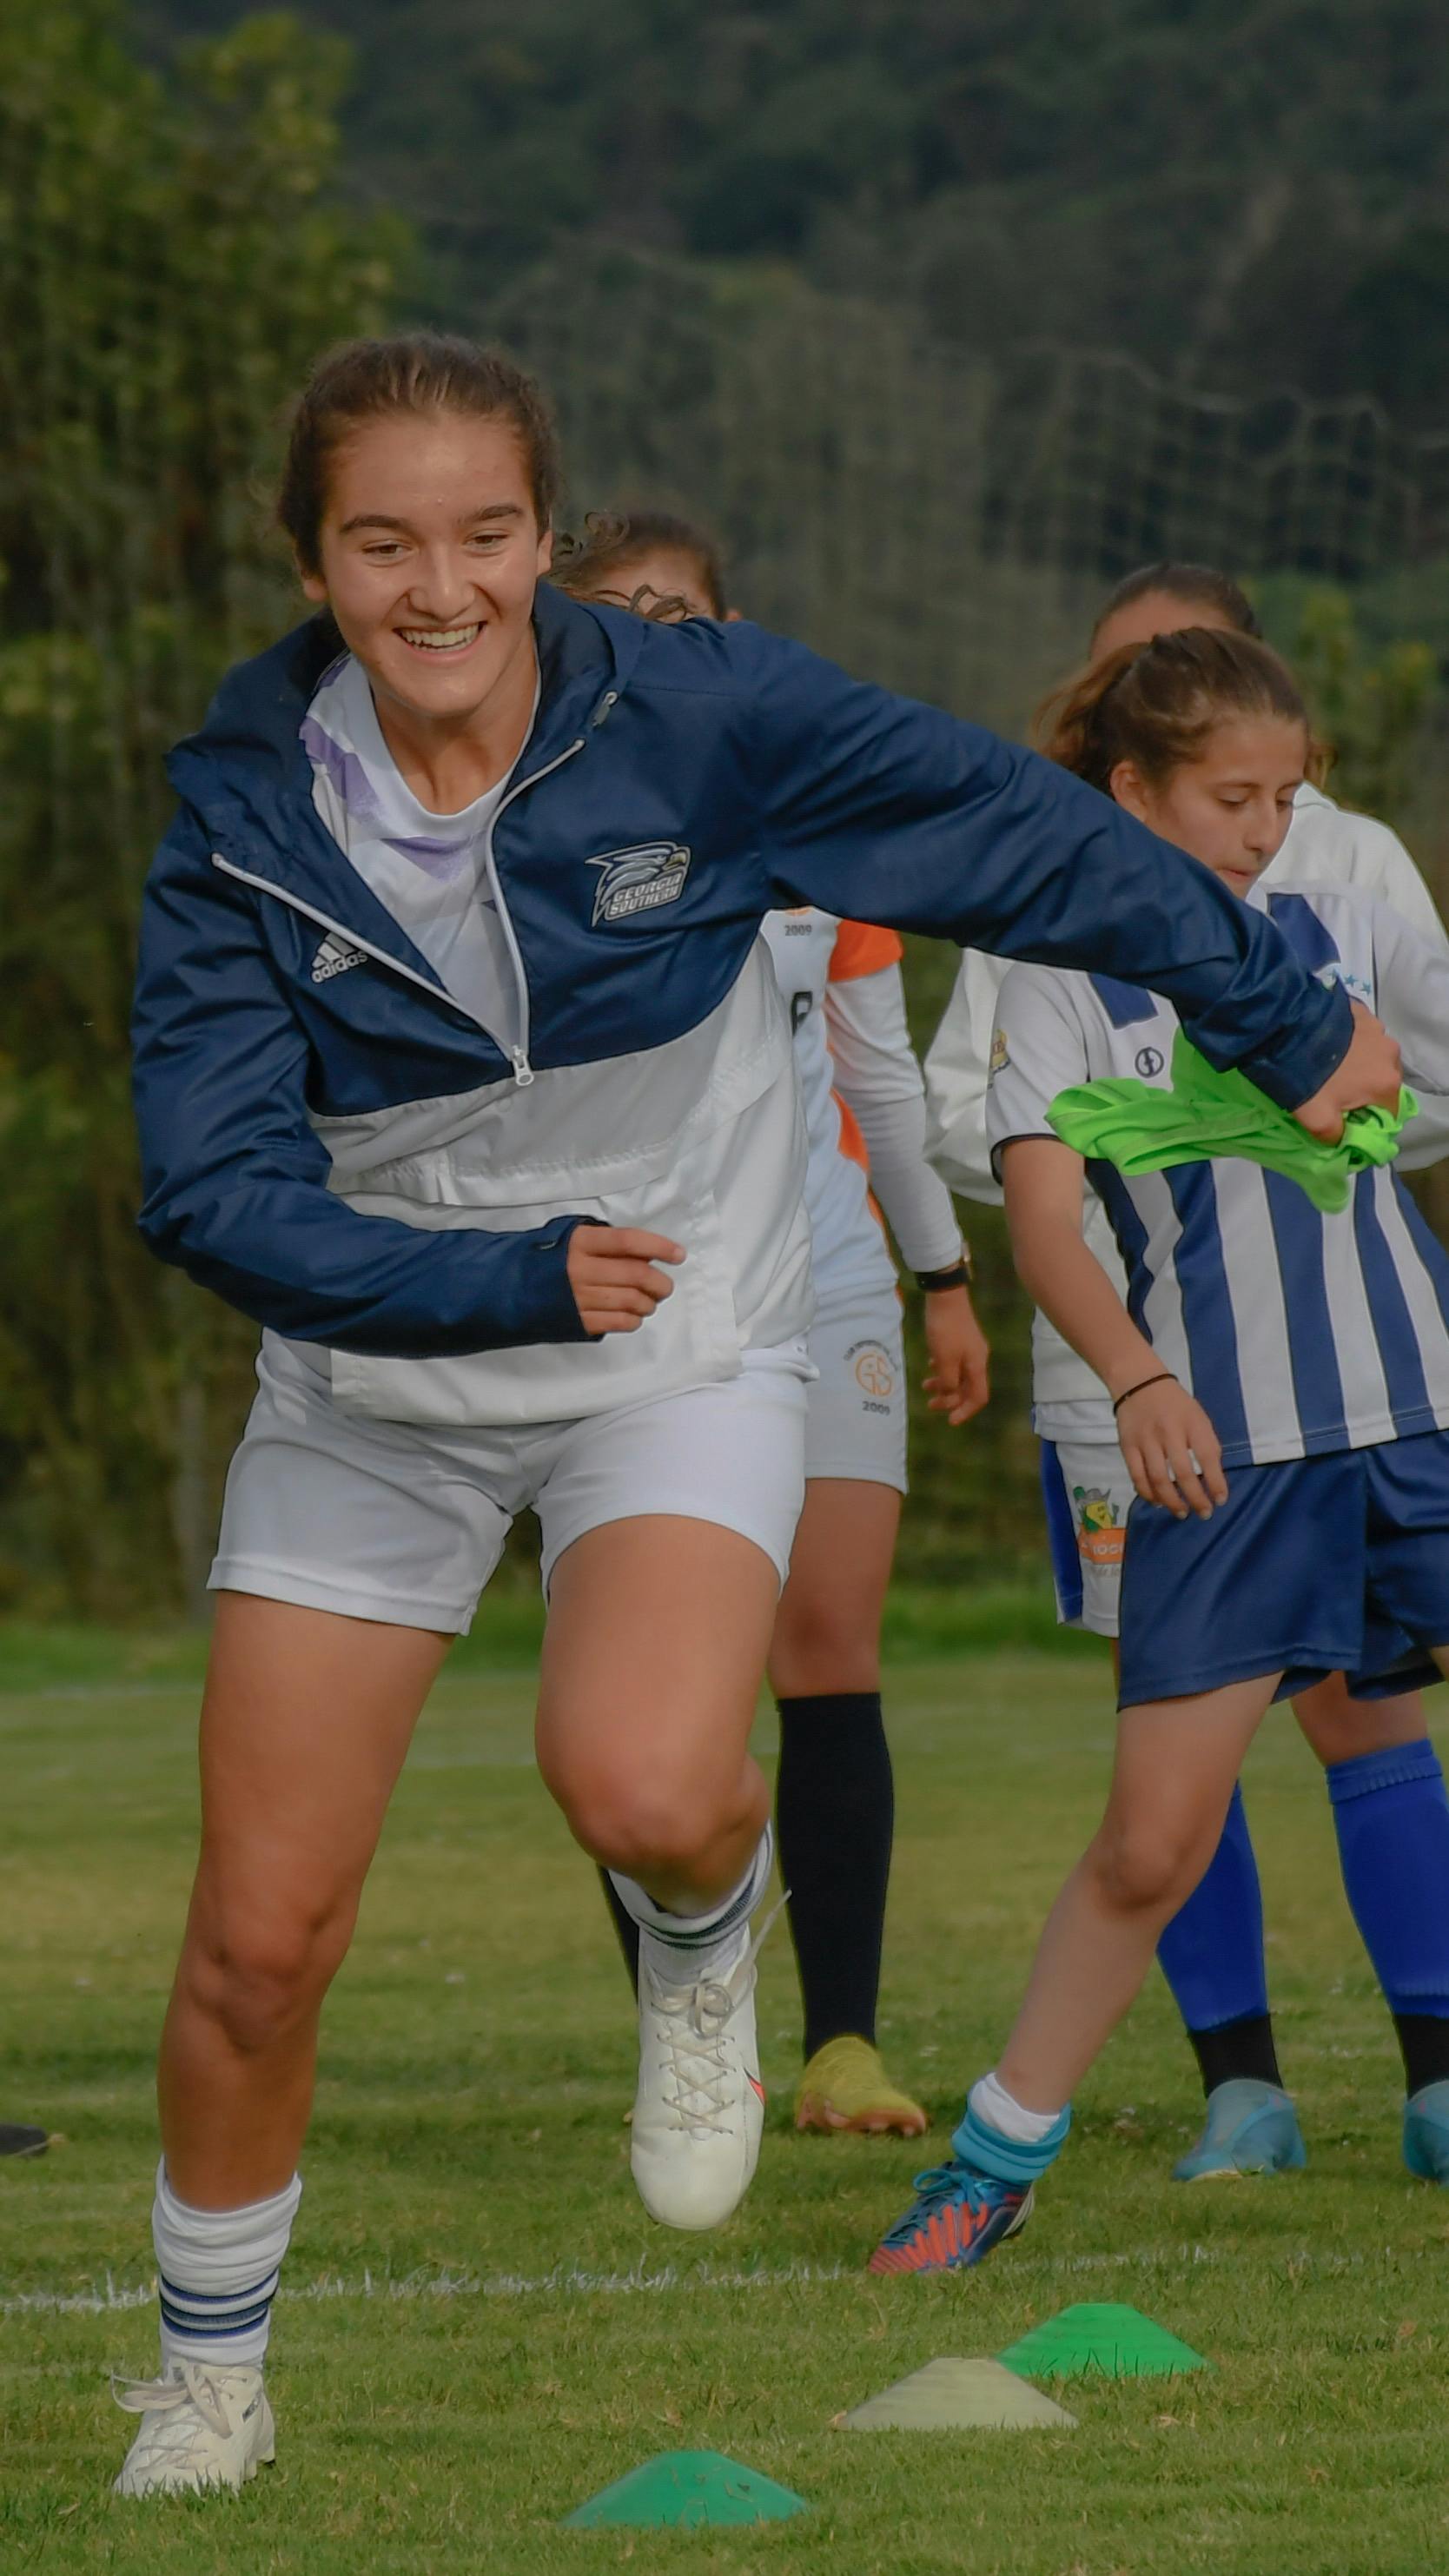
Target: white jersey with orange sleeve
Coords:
[(864, 1104)]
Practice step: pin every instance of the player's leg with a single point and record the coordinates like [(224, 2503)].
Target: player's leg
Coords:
[(348, 1558), (1176, 1763), (305, 1722), (667, 1531), (835, 1799), (1211, 1953), (1389, 1804), (1391, 1818), (834, 1792), (1213, 1612)]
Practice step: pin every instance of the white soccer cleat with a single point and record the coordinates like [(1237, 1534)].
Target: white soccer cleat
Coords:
[(202, 2425), (700, 2106)]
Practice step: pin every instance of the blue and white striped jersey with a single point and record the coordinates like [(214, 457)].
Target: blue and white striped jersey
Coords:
[(1299, 1333)]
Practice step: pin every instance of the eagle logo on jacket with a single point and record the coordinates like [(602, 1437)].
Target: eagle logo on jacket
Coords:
[(640, 880)]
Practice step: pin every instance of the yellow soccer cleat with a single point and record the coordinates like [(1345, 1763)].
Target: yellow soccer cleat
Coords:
[(845, 2086)]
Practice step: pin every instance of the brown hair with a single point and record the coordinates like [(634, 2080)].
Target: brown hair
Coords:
[(1156, 704), (420, 371), (614, 538), (1195, 585)]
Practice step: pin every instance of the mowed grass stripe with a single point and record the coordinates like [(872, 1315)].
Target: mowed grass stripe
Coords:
[(481, 2327)]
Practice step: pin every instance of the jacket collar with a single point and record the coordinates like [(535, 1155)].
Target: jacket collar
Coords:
[(248, 778)]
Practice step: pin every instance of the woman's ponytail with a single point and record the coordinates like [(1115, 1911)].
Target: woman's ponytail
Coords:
[(1155, 704)]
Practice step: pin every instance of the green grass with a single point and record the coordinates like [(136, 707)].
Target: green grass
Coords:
[(507, 2332)]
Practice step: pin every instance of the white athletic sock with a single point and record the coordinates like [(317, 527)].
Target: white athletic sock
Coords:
[(997, 2109), (218, 2273), (683, 1948)]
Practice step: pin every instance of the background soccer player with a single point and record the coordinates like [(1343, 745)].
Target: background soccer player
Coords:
[(864, 1111), (1280, 1379), (1374, 1753)]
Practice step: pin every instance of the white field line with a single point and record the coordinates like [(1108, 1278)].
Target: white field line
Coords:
[(568, 2281)]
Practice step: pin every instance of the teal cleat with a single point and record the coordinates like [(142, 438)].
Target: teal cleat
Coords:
[(1426, 2133), (1252, 2128)]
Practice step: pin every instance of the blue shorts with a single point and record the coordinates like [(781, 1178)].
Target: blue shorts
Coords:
[(1312, 1566)]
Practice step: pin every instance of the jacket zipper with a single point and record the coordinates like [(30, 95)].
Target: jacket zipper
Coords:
[(518, 1055), (523, 1073)]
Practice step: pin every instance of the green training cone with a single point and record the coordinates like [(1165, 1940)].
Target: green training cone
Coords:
[(950, 2395), (1104, 2341), (683, 2489)]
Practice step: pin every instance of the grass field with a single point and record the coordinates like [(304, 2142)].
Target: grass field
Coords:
[(480, 2327)]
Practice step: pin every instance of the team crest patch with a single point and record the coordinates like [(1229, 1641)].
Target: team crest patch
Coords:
[(874, 1374), (1100, 1534), (635, 881), (1000, 1053), (334, 957)]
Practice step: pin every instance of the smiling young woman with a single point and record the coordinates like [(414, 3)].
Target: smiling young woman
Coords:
[(461, 1069)]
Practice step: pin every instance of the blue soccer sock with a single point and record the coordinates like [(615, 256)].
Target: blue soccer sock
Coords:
[(1212, 1957), (1391, 1816), (998, 2137)]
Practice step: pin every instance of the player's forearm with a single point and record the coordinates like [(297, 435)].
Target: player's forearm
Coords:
[(1066, 1280)]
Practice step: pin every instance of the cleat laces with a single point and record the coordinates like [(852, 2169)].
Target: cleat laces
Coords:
[(691, 2024), (941, 2187), (192, 2399)]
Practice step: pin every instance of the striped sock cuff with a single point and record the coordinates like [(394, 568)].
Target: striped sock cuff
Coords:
[(212, 2316), (218, 2271), (690, 1934)]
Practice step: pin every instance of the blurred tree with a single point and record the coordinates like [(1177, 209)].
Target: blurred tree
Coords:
[(1370, 713), (170, 261)]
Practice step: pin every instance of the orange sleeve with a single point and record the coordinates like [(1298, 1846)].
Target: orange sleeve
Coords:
[(862, 948)]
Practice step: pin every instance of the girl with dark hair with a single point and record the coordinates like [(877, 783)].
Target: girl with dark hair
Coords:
[(1280, 1381), (865, 1120), (1212, 1954), (460, 1070)]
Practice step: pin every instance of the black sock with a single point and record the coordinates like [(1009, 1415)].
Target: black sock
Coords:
[(835, 1815), (1236, 2049), (625, 1926), (1424, 2039)]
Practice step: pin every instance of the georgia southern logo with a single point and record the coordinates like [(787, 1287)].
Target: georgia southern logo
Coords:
[(635, 881)]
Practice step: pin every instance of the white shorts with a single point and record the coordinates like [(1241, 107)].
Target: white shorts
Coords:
[(1088, 1494), (405, 1523), (856, 1428)]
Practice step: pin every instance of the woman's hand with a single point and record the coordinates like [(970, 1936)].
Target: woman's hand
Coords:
[(1173, 1454), (613, 1275), (958, 1381), (1370, 1074)]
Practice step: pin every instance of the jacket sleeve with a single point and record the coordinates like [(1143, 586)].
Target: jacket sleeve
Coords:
[(235, 1180), (884, 810)]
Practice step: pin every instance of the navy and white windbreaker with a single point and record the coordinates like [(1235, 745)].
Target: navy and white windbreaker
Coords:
[(341, 1150)]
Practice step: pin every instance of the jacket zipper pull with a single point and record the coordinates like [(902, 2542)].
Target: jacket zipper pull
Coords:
[(522, 1069)]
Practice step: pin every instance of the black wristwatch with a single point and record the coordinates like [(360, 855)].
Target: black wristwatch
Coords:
[(960, 1275)]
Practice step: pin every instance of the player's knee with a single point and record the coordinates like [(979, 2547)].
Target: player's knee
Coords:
[(824, 1647), (1150, 1865), (259, 1975), (647, 1828)]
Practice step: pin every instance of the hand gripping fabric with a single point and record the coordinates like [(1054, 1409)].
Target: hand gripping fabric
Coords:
[(1205, 1116)]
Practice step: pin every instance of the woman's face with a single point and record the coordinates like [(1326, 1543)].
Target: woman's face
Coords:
[(429, 557), (1231, 807), (642, 581)]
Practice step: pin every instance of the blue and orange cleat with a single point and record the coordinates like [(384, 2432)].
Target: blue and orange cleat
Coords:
[(958, 2218), (1426, 2133)]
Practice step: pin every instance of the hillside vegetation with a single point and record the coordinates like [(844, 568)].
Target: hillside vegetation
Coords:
[(1240, 192)]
